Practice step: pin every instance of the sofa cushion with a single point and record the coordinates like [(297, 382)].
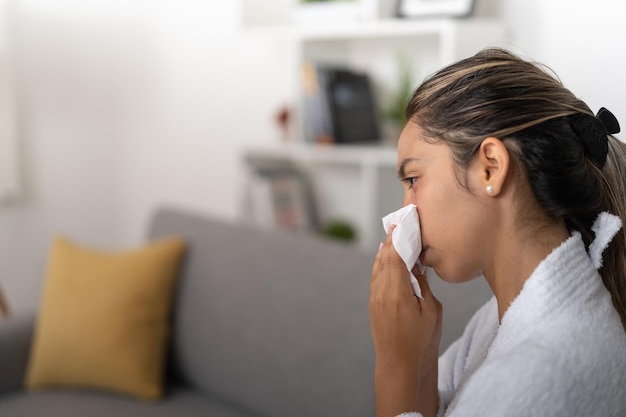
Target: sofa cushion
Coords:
[(276, 321), (103, 321), (75, 403)]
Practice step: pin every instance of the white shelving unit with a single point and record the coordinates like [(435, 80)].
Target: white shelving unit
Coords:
[(359, 183)]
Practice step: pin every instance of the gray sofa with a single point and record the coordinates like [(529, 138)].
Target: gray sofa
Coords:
[(264, 324)]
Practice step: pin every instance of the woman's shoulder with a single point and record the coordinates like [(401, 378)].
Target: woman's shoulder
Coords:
[(588, 331), (590, 343), (584, 342)]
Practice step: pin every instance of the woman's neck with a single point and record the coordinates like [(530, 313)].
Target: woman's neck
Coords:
[(516, 257)]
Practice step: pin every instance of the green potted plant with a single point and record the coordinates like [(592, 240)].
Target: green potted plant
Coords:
[(393, 116), (340, 230)]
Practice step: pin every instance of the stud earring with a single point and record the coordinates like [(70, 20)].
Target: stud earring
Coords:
[(489, 189)]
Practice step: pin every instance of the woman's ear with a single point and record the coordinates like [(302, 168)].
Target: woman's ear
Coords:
[(492, 163)]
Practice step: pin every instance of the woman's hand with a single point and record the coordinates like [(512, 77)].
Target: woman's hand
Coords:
[(429, 372), (406, 333)]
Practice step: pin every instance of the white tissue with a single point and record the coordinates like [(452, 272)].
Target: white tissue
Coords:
[(407, 239)]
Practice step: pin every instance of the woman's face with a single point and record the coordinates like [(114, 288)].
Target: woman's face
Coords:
[(453, 218)]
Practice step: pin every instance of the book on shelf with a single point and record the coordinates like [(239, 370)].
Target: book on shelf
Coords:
[(280, 198), (317, 120), (339, 105)]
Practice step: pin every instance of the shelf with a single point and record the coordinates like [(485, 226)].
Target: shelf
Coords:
[(382, 156), (373, 29), (344, 178), (389, 28)]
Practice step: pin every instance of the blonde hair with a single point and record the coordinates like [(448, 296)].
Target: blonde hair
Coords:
[(496, 93)]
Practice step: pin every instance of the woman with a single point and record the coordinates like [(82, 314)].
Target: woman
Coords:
[(514, 179)]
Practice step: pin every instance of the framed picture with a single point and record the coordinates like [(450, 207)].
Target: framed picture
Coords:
[(280, 197), (430, 8)]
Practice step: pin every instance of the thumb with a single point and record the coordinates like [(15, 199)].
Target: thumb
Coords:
[(422, 280)]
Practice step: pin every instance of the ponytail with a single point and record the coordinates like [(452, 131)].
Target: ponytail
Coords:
[(613, 189)]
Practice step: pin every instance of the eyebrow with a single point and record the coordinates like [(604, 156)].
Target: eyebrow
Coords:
[(401, 173)]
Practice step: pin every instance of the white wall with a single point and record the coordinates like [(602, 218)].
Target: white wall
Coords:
[(583, 41), (126, 105), (215, 93), (66, 109), (9, 178)]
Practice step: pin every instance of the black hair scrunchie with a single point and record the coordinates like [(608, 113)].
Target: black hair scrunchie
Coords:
[(593, 132)]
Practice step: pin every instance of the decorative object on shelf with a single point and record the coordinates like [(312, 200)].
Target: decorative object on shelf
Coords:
[(339, 229), (352, 107), (339, 106), (317, 123), (430, 8), (4, 307), (280, 198), (284, 120)]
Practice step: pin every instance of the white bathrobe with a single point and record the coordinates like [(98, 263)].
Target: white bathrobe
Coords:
[(559, 351)]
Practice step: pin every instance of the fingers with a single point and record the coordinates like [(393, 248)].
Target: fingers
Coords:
[(379, 254), (376, 266), (390, 255), (394, 270), (389, 270), (422, 280), (429, 298)]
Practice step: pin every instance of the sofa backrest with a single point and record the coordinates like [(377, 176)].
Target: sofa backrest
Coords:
[(275, 322)]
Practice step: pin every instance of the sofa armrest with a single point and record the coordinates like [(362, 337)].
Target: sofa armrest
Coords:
[(15, 339)]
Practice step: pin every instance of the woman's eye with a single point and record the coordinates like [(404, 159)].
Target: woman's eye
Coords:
[(410, 181)]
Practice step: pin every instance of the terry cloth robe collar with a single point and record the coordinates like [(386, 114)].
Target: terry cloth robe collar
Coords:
[(565, 276)]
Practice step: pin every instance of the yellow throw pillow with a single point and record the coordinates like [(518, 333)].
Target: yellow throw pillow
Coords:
[(104, 318)]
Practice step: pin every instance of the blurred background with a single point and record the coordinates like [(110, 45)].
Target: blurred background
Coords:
[(112, 108)]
